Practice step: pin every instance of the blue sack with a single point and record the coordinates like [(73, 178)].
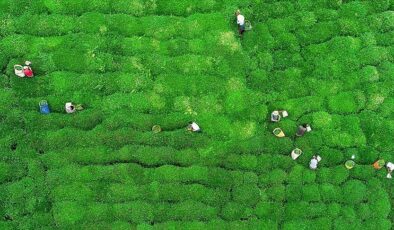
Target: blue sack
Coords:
[(44, 107)]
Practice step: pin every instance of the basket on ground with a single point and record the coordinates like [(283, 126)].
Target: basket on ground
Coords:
[(278, 132), (350, 164), (296, 153), (156, 129), (248, 25)]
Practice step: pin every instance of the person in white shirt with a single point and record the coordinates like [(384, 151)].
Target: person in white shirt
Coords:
[(390, 169), (240, 22), (314, 162), (70, 108), (193, 127)]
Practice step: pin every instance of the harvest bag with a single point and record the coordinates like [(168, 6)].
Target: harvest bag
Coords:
[(18, 69)]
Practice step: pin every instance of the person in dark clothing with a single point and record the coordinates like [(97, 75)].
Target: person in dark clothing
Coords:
[(302, 129)]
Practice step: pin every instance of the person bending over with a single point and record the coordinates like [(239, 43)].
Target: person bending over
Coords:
[(240, 22), (314, 162), (193, 127), (302, 129), (70, 108), (275, 116), (390, 169)]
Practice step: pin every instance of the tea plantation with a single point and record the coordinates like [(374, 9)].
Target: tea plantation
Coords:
[(134, 64)]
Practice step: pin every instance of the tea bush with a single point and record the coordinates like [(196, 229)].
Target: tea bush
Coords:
[(354, 192), (133, 64)]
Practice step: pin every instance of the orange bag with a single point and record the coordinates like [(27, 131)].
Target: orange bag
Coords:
[(378, 164)]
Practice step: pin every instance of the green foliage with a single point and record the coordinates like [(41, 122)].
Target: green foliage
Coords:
[(373, 55), (5, 171), (379, 201), (333, 210), (134, 64), (269, 210), (295, 175), (369, 74), (317, 33), (277, 176), (353, 9), (189, 210), (331, 156), (185, 7), (246, 194), (378, 223), (341, 222), (322, 120), (294, 192), (354, 192), (232, 211), (310, 193), (136, 212), (336, 175), (68, 213), (344, 103), (330, 193), (298, 210), (276, 193), (363, 172)]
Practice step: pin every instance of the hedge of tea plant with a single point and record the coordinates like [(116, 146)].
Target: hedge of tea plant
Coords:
[(134, 64)]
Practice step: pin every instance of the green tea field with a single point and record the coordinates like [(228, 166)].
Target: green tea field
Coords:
[(137, 64)]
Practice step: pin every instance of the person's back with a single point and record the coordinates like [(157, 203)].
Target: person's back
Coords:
[(390, 169), (69, 107), (314, 162), (240, 20), (301, 130), (193, 127), (28, 71), (275, 117), (390, 166)]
